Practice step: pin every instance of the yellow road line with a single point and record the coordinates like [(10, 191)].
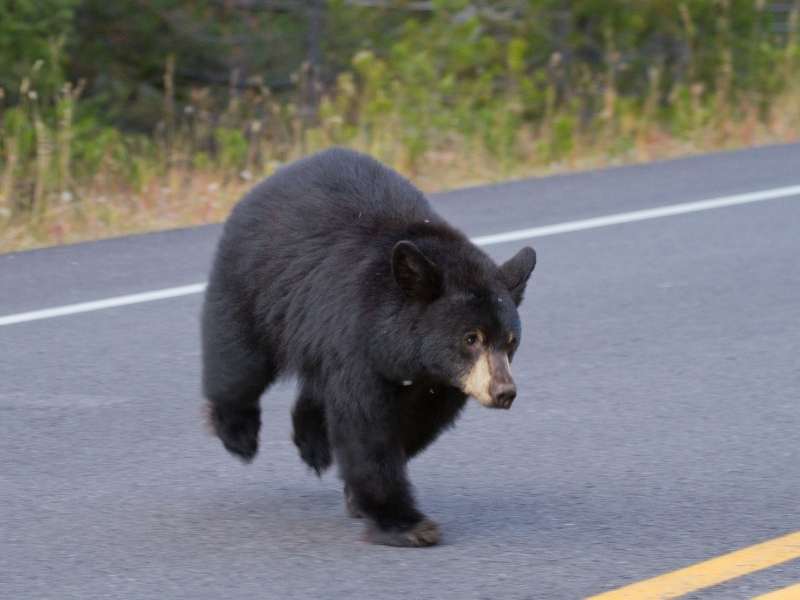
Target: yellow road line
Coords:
[(790, 593), (711, 572)]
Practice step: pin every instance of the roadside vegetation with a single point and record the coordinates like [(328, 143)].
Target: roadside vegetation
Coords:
[(147, 114)]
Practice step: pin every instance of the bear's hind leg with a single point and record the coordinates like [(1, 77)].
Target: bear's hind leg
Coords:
[(311, 430), (235, 374)]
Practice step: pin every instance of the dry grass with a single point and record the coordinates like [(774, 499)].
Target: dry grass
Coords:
[(185, 197), (453, 125)]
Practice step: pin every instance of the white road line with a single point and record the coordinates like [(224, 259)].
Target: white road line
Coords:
[(71, 309), (638, 215), (486, 240)]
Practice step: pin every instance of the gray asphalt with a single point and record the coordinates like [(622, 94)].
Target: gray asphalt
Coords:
[(657, 423)]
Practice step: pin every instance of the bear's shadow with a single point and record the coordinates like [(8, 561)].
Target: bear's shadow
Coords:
[(288, 514)]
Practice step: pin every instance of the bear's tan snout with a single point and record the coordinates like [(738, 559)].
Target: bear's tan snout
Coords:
[(502, 390), (489, 380)]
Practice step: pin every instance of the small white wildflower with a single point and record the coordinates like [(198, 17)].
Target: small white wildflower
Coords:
[(407, 382)]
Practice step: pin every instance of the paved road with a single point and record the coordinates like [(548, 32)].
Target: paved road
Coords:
[(657, 423)]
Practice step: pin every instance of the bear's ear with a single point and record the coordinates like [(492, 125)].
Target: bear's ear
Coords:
[(515, 272), (415, 273)]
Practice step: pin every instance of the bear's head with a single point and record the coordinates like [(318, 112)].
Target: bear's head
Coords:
[(465, 322)]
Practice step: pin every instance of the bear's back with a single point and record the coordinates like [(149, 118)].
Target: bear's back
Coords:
[(337, 190)]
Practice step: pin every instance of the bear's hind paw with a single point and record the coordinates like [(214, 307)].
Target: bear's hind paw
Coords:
[(237, 429)]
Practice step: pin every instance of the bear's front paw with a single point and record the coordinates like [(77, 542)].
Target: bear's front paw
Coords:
[(424, 533)]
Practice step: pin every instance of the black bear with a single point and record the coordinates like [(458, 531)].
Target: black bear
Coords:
[(337, 270)]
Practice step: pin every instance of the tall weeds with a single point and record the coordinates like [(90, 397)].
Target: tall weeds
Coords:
[(450, 103)]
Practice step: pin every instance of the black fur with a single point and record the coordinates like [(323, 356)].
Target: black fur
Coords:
[(337, 270)]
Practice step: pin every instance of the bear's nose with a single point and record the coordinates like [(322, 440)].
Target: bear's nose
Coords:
[(504, 394)]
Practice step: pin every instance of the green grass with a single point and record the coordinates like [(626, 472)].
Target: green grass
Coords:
[(448, 105)]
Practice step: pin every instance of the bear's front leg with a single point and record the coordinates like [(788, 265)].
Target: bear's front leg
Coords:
[(372, 463)]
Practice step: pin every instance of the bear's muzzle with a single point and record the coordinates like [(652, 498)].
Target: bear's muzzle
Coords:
[(489, 380)]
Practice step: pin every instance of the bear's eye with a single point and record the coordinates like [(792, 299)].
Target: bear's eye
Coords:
[(471, 339)]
